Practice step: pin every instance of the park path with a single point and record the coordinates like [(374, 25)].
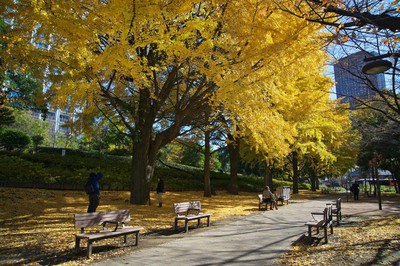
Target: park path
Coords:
[(257, 239)]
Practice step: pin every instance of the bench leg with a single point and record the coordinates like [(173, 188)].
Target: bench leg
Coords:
[(176, 224), (309, 234), (77, 244), (326, 234), (125, 239), (137, 238), (186, 226), (208, 221), (89, 249), (198, 222)]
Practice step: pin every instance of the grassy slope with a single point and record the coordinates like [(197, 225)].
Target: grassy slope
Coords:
[(74, 167)]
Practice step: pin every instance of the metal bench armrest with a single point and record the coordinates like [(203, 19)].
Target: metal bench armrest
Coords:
[(110, 222), (313, 214)]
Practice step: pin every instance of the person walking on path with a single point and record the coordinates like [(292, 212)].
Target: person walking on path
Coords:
[(268, 196), (92, 188), (160, 191), (356, 190)]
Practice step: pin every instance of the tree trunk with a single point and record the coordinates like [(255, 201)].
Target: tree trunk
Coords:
[(141, 175), (233, 148), (207, 166), (268, 177), (373, 179), (295, 162), (396, 178), (313, 179)]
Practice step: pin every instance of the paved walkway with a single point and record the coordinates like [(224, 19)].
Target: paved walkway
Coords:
[(257, 239)]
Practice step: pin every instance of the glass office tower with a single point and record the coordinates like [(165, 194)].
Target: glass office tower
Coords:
[(351, 83)]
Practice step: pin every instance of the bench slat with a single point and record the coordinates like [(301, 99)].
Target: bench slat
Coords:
[(324, 222), (106, 234), (82, 220), (185, 208)]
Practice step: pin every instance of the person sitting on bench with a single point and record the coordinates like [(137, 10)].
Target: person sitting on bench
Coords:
[(269, 197)]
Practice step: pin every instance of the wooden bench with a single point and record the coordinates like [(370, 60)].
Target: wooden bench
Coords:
[(321, 220), (188, 211), (116, 218), (283, 194), (337, 210), (261, 202)]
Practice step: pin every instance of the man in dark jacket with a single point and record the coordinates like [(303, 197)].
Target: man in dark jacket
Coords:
[(94, 196), (356, 190)]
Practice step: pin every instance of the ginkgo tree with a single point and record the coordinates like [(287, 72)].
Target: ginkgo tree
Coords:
[(321, 125), (292, 113), (260, 102), (151, 67), (331, 142), (301, 119)]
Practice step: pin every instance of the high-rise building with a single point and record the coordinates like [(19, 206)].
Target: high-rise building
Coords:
[(56, 119), (351, 83)]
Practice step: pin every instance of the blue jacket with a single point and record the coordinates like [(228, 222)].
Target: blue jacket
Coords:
[(94, 180)]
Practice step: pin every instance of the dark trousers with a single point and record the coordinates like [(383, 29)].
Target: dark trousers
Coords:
[(356, 195), (267, 200), (94, 201)]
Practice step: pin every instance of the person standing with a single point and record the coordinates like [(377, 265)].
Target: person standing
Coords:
[(356, 190), (160, 191), (93, 190), (269, 197)]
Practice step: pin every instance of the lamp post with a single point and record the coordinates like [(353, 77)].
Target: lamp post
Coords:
[(375, 172), (377, 65)]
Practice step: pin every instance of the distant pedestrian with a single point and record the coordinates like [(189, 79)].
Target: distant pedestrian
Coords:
[(355, 189), (160, 191), (269, 197), (92, 188)]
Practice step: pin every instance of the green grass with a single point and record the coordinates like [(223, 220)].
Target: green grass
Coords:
[(49, 166)]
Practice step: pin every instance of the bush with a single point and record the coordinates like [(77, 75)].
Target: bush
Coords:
[(49, 166), (12, 139)]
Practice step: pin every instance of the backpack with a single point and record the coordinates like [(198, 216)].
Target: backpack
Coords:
[(89, 188)]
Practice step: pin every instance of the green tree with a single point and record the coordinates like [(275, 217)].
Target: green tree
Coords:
[(24, 122), (379, 135), (193, 156), (6, 116), (24, 92), (12, 139), (36, 141)]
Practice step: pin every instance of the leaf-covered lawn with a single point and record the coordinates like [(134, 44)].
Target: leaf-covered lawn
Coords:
[(369, 240), (36, 228), (36, 225)]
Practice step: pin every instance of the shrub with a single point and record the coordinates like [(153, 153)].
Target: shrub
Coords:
[(49, 166), (12, 139)]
